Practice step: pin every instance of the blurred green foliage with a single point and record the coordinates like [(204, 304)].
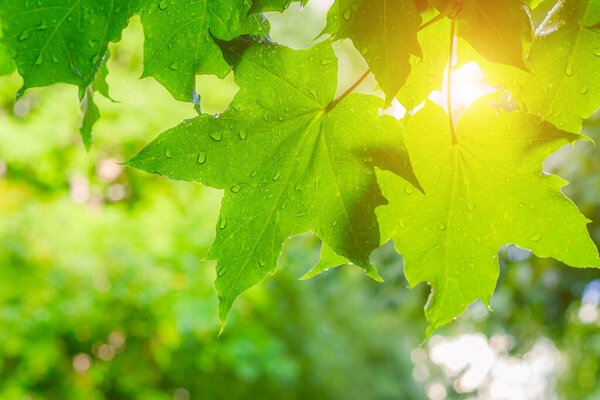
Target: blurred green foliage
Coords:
[(103, 294)]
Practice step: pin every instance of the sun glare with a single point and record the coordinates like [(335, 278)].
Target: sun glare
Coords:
[(468, 84)]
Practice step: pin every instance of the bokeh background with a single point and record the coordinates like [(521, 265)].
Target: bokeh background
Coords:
[(104, 294)]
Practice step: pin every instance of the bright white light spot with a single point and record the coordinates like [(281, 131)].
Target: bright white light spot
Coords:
[(485, 368), (436, 391), (469, 353), (588, 313), (81, 363), (468, 84)]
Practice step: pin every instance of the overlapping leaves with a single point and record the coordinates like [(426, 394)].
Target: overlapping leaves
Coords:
[(292, 158), (289, 157)]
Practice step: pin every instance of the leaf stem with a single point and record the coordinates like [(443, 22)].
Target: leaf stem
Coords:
[(449, 83), (433, 20), (360, 80)]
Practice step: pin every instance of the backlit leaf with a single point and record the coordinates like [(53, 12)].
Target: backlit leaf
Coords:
[(486, 191), (179, 41), (289, 159)]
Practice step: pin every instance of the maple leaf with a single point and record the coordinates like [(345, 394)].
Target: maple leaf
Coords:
[(500, 31), (49, 45), (427, 72), (563, 86), (384, 32), (290, 158), (179, 40), (273, 5), (483, 192), (7, 66)]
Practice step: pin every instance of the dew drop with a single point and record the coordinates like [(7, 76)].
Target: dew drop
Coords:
[(536, 237), (277, 176), (221, 272), (217, 136), (174, 66), (222, 223), (408, 189), (39, 60), (347, 14), (168, 153), (163, 4), (334, 223), (569, 69), (201, 157), (236, 188), (24, 36), (441, 226), (243, 134)]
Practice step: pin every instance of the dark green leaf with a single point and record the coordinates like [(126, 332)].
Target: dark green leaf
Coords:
[(272, 5), (501, 31), (179, 39), (384, 32)]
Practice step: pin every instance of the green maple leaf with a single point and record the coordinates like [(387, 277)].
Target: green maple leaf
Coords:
[(564, 84), (500, 31), (330, 259), (7, 66), (289, 157), (50, 45), (427, 72), (179, 40), (272, 5), (384, 32), (486, 191)]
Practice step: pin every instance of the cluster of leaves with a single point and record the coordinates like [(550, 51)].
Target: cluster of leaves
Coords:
[(292, 157)]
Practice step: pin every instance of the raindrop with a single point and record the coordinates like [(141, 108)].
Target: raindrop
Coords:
[(243, 134), (569, 69), (334, 223), (236, 188), (536, 237), (408, 189), (24, 36), (217, 136), (201, 157), (168, 153), (163, 4), (173, 66), (222, 223), (277, 176)]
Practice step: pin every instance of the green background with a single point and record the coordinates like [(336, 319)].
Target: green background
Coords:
[(103, 294)]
